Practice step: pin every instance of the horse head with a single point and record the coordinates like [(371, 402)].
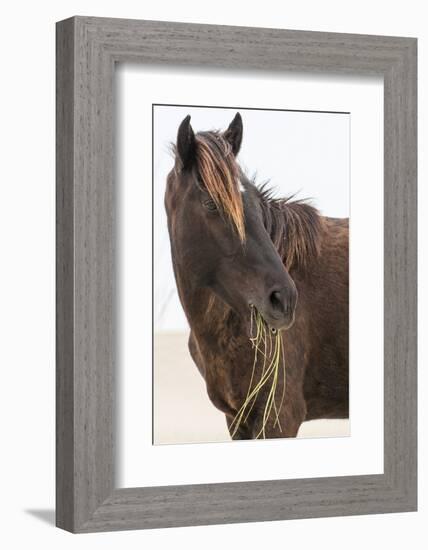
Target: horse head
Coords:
[(218, 235)]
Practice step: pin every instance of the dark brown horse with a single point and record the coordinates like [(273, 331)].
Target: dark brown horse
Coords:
[(235, 248)]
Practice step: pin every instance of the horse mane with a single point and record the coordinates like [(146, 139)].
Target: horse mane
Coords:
[(295, 227), (219, 172)]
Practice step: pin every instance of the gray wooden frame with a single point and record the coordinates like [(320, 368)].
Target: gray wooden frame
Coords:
[(87, 50)]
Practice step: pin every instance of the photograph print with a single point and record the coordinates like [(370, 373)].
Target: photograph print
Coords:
[(251, 276)]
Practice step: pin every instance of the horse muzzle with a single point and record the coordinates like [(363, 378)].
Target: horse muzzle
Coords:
[(279, 308)]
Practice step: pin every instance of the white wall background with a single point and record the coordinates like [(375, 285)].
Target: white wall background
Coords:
[(301, 153), (27, 286)]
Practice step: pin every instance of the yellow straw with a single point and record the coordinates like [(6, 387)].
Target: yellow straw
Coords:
[(272, 355)]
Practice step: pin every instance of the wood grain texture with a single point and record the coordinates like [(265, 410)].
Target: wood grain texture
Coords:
[(87, 49), (64, 278)]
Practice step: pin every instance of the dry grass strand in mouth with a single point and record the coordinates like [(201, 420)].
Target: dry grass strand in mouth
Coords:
[(271, 349)]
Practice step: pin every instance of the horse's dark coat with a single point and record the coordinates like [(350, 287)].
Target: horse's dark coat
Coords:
[(292, 265)]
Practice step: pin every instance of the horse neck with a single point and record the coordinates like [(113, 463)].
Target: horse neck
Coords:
[(216, 342), (296, 229)]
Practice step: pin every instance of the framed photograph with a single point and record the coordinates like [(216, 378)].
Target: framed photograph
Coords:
[(236, 274)]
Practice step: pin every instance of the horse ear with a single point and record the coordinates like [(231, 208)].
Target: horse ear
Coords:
[(186, 144), (234, 133)]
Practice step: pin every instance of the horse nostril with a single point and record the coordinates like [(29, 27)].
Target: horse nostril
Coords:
[(277, 301)]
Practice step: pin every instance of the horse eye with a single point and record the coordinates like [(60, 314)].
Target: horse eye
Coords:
[(210, 205)]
